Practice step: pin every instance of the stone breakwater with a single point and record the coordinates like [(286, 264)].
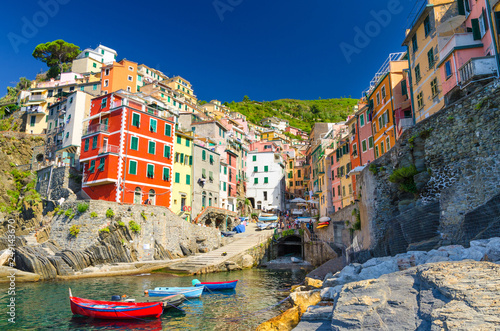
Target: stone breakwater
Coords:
[(447, 288)]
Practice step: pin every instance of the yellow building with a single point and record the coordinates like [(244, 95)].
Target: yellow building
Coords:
[(35, 105), (422, 43), (182, 185), (182, 87), (268, 135), (344, 169), (386, 95)]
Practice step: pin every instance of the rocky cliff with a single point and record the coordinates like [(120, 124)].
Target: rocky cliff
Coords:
[(439, 185), (84, 234), (451, 288)]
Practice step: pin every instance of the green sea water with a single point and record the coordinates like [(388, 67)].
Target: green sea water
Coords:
[(45, 305)]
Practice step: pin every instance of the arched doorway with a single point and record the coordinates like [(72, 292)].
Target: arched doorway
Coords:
[(152, 197), (137, 196)]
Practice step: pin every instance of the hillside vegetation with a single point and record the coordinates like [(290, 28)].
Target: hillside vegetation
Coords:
[(301, 114)]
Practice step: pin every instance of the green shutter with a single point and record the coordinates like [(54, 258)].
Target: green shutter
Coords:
[(166, 151), (461, 7), (188, 179), (224, 185), (476, 31), (152, 125), (266, 168), (132, 167), (256, 181), (87, 141), (136, 120), (134, 143), (179, 139), (187, 142), (225, 170), (177, 177), (166, 174), (168, 130), (101, 164), (255, 169), (182, 157), (94, 142), (203, 155), (151, 171), (266, 180), (151, 147), (190, 160), (254, 158)]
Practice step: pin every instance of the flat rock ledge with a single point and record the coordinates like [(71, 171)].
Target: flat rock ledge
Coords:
[(437, 296)]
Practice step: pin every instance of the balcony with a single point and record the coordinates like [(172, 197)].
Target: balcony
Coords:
[(478, 68), (405, 123), (95, 128), (458, 41), (35, 110), (37, 97), (109, 149)]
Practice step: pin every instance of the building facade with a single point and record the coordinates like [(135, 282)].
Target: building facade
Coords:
[(127, 151), (206, 178), (182, 187)]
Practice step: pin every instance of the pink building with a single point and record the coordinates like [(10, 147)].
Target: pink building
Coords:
[(365, 134), (466, 51), (335, 182), (297, 132)]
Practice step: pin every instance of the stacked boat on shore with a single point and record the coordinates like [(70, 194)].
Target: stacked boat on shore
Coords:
[(122, 307)]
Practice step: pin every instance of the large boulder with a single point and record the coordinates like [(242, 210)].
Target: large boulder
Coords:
[(34, 260), (305, 298), (446, 295), (283, 322)]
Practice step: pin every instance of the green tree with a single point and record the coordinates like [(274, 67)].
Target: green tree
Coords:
[(246, 98), (56, 53)]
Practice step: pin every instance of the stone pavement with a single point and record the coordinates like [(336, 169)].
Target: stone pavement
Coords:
[(208, 262)]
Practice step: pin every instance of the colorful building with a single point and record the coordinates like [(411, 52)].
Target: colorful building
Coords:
[(364, 133), (206, 184), (467, 52), (120, 75), (127, 150), (183, 88), (182, 187), (64, 128), (422, 43), (91, 60), (385, 94)]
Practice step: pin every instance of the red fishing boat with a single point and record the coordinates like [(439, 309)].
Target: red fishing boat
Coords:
[(114, 309)]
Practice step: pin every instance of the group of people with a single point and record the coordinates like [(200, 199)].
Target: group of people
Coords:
[(287, 222)]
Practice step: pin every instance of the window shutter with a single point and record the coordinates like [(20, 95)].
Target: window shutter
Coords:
[(190, 160), (461, 7), (485, 19), (476, 31), (404, 90)]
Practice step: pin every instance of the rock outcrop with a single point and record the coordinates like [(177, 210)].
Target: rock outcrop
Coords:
[(437, 296)]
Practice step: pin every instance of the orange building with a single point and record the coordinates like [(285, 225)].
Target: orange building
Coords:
[(386, 94), (120, 75), (127, 151)]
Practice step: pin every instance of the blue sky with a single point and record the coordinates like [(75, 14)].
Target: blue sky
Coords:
[(267, 50)]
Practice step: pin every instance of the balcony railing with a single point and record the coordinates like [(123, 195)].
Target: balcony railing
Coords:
[(95, 128), (478, 67), (110, 149), (405, 123), (35, 110), (37, 97)]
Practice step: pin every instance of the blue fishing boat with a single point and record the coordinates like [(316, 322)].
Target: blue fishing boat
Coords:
[(188, 292), (216, 286), (268, 218)]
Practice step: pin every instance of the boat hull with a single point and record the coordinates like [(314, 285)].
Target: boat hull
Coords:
[(218, 286), (188, 292), (115, 310)]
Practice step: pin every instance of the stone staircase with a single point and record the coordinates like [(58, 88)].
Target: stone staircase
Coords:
[(199, 263)]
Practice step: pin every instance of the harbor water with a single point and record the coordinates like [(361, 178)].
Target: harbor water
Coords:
[(45, 305)]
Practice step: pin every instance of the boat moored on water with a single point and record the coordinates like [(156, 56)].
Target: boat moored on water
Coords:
[(216, 286), (114, 309), (188, 292)]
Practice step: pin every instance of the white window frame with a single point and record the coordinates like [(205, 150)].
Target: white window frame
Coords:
[(373, 143), (378, 98), (364, 120), (388, 143), (106, 83), (129, 89), (131, 68), (106, 72), (154, 170), (384, 94), (151, 120), (130, 78)]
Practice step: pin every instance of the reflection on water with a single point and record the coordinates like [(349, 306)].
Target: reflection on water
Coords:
[(46, 305)]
